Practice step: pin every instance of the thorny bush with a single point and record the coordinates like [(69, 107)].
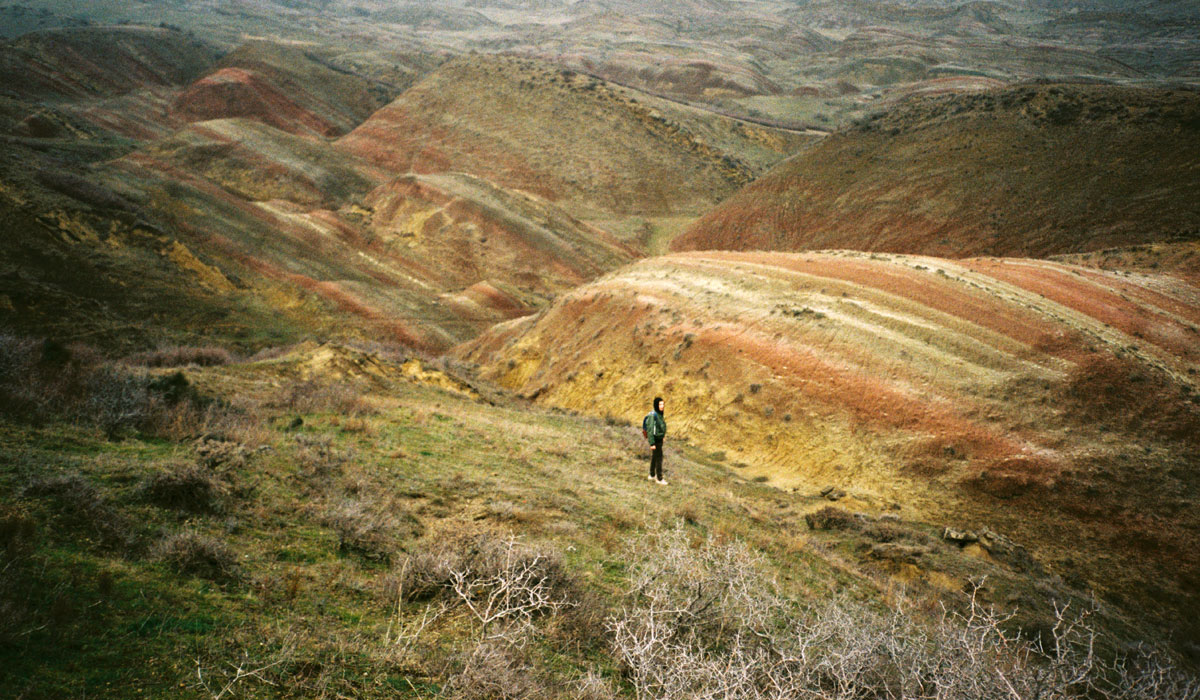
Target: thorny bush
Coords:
[(503, 582), (704, 622)]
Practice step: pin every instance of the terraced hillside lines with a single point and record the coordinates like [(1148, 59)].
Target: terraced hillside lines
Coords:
[(261, 163), (428, 261), (568, 138), (978, 391), (1022, 171), (283, 86), (818, 326), (1161, 313), (470, 229)]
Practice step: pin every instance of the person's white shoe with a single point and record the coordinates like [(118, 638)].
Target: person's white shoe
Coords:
[(651, 477), (662, 482)]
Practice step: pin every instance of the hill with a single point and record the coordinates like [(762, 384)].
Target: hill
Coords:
[(292, 218), (1031, 170), (99, 61), (89, 83), (1055, 402), (311, 537), (528, 125), (246, 235), (285, 86)]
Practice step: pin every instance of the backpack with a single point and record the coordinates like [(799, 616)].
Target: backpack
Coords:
[(646, 427)]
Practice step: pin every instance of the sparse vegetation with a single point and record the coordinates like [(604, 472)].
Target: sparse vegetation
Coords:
[(183, 356), (185, 486), (436, 553), (324, 520), (197, 554)]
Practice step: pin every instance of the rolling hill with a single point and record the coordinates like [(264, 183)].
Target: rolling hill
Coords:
[(1030, 170), (293, 218), (591, 147), (285, 86), (1055, 402), (83, 62)]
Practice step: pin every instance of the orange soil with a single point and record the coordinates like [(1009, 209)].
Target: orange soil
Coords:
[(235, 92)]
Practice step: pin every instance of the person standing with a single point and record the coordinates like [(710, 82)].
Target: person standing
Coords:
[(654, 427)]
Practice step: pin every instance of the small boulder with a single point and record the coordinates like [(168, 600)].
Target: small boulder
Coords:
[(959, 537)]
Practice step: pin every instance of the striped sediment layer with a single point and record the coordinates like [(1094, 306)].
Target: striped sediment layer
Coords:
[(1054, 401)]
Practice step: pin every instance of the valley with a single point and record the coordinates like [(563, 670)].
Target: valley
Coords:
[(327, 329)]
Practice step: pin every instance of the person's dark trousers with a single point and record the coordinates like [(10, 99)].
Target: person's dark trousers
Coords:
[(656, 461)]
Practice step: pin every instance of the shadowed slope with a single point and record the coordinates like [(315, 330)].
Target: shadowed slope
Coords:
[(69, 83), (1030, 170), (99, 61), (988, 391)]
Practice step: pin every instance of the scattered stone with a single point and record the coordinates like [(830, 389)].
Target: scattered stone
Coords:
[(889, 518), (827, 490), (959, 537), (835, 495)]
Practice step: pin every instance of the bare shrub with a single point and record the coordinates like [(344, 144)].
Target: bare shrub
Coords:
[(40, 380), (592, 686), (185, 486), (183, 356), (370, 529), (117, 402), (504, 583), (841, 649), (221, 455), (220, 680), (494, 670), (581, 624), (200, 555), (316, 456), (317, 397), (830, 518)]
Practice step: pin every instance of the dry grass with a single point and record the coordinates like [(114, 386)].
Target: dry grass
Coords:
[(371, 529), (79, 504), (183, 356), (43, 380), (312, 396), (193, 553), (185, 486)]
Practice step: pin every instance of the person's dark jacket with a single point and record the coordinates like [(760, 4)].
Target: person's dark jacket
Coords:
[(654, 425)]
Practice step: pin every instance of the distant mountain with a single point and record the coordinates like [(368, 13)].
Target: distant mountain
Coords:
[(254, 229), (1031, 170)]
